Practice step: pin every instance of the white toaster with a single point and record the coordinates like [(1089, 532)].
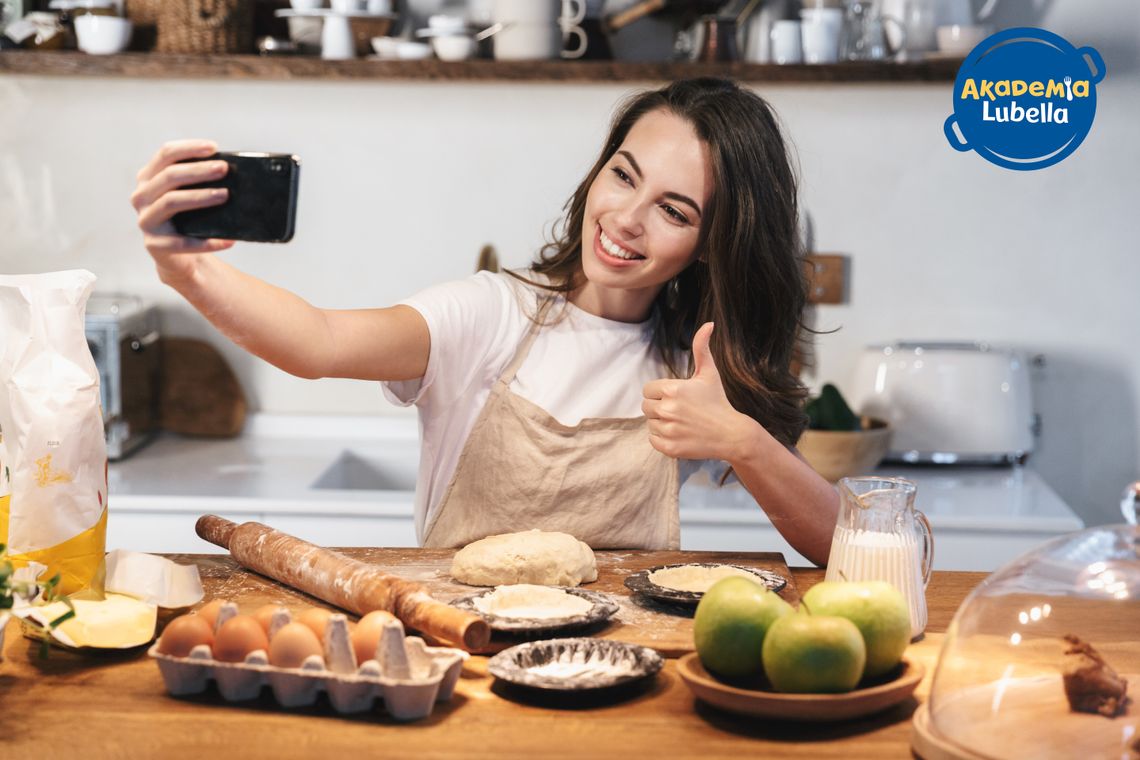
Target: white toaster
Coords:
[(948, 403)]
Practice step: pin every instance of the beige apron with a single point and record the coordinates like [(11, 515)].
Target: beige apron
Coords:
[(600, 480)]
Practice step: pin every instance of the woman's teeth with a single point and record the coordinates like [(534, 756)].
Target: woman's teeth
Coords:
[(615, 250)]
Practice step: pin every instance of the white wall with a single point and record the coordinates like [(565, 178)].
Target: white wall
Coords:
[(404, 181)]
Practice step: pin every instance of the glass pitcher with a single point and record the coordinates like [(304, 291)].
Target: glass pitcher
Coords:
[(880, 536), (864, 33)]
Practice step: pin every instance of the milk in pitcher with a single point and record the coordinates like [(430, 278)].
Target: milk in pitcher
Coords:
[(880, 536)]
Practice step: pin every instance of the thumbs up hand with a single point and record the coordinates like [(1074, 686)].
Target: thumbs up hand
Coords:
[(693, 419)]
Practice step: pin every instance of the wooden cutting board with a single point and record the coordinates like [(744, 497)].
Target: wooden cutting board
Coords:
[(664, 627), (200, 394)]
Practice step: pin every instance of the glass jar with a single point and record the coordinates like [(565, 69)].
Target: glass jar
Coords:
[(1015, 679)]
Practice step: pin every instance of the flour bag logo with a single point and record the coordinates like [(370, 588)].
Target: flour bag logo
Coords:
[(1024, 99)]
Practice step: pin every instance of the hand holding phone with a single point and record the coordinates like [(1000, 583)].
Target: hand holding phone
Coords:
[(262, 202)]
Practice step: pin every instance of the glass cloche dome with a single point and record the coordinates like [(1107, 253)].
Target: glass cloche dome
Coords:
[(1042, 660)]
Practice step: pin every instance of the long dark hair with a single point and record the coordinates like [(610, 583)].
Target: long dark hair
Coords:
[(749, 276)]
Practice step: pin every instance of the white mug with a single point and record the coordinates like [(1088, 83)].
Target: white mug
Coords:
[(787, 46), (571, 21), (535, 29), (337, 43), (821, 28)]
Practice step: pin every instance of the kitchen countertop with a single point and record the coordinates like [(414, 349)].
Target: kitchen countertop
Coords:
[(116, 706), (367, 466)]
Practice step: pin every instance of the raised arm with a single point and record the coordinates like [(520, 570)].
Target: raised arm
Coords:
[(693, 419), (268, 321)]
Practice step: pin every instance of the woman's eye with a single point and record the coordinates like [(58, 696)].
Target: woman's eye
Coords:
[(620, 173), (674, 214)]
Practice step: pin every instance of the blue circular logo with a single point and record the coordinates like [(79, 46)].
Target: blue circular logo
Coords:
[(1024, 99)]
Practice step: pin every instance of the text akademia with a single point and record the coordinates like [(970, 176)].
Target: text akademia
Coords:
[(989, 90)]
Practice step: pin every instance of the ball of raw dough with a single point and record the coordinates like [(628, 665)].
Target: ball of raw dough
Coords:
[(533, 556)]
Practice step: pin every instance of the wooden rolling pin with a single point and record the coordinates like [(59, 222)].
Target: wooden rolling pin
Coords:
[(346, 582)]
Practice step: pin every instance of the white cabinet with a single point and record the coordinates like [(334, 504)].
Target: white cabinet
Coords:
[(336, 487)]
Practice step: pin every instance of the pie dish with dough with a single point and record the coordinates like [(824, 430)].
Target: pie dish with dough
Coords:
[(540, 557), (528, 608), (687, 583)]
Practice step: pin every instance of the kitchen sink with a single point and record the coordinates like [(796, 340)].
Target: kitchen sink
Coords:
[(357, 471)]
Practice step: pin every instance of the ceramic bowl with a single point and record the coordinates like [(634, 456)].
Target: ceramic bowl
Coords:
[(453, 47), (102, 35), (836, 454), (306, 5), (412, 51)]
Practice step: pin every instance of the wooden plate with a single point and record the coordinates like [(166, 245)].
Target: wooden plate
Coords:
[(804, 707)]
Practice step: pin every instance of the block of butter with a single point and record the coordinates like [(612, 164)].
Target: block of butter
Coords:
[(116, 622)]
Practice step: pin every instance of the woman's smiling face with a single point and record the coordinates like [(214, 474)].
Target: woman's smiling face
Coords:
[(643, 216)]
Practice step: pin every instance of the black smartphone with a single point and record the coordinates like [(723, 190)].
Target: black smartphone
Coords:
[(262, 204)]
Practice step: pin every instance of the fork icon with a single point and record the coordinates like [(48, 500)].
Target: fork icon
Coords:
[(1068, 88)]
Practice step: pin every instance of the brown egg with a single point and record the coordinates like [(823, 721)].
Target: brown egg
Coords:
[(237, 637), (183, 633), (366, 635), (264, 615), (316, 618), (292, 645), (209, 611)]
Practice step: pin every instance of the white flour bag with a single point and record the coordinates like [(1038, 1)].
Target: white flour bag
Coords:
[(52, 428)]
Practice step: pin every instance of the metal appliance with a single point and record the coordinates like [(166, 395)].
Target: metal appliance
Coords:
[(122, 333), (948, 402)]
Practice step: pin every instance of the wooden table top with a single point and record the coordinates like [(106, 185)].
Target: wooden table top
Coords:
[(116, 705)]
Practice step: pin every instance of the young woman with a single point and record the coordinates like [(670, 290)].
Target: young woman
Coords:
[(652, 337)]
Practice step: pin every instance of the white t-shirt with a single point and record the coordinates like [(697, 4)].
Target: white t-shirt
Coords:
[(579, 366)]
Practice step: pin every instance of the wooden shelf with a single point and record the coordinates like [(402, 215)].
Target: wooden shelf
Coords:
[(159, 66)]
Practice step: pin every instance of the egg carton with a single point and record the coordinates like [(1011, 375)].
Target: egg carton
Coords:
[(409, 676)]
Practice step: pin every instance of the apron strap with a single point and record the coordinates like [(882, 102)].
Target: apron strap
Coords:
[(521, 352)]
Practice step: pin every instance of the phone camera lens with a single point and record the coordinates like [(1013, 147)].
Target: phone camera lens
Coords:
[(276, 167)]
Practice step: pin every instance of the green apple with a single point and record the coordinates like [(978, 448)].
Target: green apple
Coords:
[(876, 608), (806, 653), (731, 621)]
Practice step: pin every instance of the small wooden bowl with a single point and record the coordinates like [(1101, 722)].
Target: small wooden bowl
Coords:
[(836, 454), (801, 707)]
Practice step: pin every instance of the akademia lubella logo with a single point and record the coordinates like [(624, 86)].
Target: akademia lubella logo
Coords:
[(1024, 99)]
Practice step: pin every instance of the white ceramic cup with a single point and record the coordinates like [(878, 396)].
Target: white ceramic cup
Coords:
[(528, 42), (787, 43), (349, 6), (535, 29), (821, 27), (526, 11), (573, 14), (102, 35), (337, 43), (447, 24)]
